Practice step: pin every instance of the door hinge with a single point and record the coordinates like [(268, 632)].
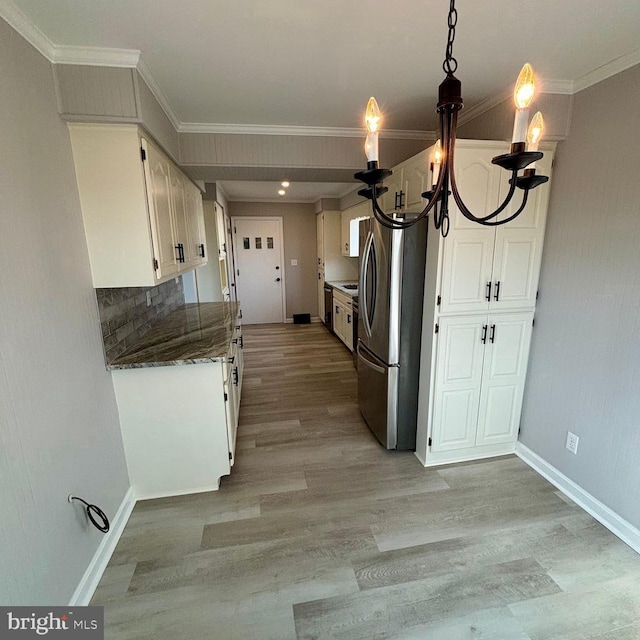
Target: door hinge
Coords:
[(429, 441), (230, 456), (533, 322), (224, 247), (537, 294), (143, 154), (439, 301), (226, 397), (235, 230), (437, 328), (155, 264), (238, 271)]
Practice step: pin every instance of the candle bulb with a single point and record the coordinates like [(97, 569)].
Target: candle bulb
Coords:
[(371, 147), (534, 134), (372, 120), (437, 163), (523, 95)]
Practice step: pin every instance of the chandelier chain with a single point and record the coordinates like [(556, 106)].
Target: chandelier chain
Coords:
[(450, 64)]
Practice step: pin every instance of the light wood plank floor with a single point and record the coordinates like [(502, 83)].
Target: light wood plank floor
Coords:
[(320, 533)]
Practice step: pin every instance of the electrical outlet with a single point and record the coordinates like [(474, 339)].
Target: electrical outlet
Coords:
[(572, 442), (148, 298), (294, 263)]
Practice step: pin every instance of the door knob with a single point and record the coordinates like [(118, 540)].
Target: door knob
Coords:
[(277, 279), (277, 267)]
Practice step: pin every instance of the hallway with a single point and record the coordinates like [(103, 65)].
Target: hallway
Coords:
[(320, 533)]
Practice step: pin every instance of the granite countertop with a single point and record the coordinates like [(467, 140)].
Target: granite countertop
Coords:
[(339, 285), (191, 334)]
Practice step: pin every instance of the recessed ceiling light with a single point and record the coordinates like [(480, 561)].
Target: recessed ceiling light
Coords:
[(282, 192), (285, 183)]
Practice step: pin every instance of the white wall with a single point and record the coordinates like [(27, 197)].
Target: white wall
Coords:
[(59, 430), (584, 372)]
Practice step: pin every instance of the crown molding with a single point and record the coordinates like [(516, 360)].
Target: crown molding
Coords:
[(283, 130), (160, 96), (607, 70), (26, 28), (96, 56), (564, 87), (466, 115)]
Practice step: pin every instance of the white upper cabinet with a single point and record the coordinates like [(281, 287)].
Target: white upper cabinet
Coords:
[(141, 214), (406, 185), (350, 227), (492, 268)]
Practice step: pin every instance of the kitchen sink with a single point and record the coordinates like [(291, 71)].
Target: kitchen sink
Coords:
[(349, 286)]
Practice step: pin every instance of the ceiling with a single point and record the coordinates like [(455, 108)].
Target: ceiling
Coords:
[(248, 191), (287, 62)]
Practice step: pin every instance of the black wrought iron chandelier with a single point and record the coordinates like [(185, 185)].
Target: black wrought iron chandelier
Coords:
[(523, 152)]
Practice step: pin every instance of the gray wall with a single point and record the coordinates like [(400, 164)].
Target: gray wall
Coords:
[(59, 430), (299, 223), (584, 372)]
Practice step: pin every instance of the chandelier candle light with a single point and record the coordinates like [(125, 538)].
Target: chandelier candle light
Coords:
[(523, 153)]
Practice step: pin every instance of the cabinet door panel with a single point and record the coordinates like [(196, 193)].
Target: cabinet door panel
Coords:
[(518, 248), (416, 181), (458, 381), (179, 203), (504, 373), (157, 175), (467, 266), (195, 220), (469, 247), (394, 184)]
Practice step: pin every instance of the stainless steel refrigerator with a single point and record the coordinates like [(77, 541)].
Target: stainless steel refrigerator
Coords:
[(391, 290)]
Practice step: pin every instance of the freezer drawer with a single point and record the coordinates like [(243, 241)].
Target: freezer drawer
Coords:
[(377, 396)]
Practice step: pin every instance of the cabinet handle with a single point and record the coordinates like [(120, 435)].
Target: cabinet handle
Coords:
[(488, 292), (496, 296), (180, 248), (242, 342), (484, 334), (493, 333), (348, 318), (235, 376), (201, 250), (235, 341), (318, 275), (337, 310), (232, 359), (346, 246), (402, 194)]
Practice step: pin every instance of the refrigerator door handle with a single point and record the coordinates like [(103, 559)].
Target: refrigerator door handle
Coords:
[(366, 253), (368, 362)]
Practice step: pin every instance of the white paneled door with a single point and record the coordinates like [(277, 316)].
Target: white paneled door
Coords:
[(259, 265)]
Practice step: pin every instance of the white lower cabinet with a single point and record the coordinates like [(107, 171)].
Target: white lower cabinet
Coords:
[(343, 318), (479, 382), (179, 423)]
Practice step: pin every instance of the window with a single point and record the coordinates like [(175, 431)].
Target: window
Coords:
[(258, 243), (245, 243), (269, 243)]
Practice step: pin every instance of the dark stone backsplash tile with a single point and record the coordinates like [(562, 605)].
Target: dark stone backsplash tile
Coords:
[(125, 316)]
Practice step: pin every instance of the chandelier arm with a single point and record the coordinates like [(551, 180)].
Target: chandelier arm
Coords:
[(458, 198), (381, 216), (497, 223)]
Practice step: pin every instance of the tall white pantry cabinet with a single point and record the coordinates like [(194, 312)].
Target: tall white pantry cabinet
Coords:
[(480, 295)]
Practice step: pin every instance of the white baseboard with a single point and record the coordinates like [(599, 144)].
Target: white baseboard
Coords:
[(610, 519), (89, 582)]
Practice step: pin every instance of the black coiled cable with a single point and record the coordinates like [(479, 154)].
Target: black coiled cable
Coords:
[(91, 509)]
